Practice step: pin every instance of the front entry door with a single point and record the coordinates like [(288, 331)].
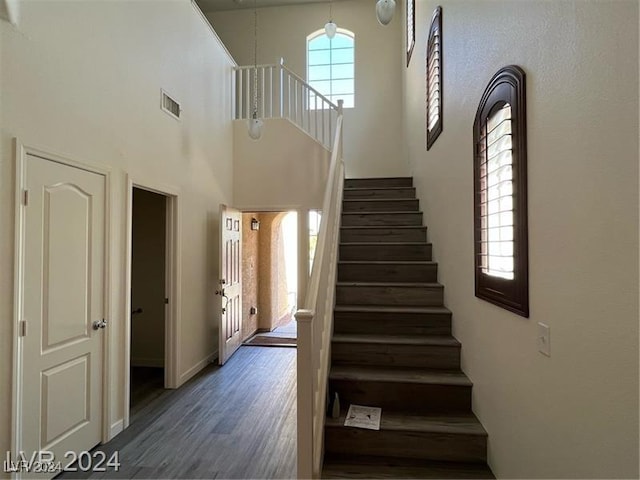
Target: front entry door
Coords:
[(63, 336), (230, 288)]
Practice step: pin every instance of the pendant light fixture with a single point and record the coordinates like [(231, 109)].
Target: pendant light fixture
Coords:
[(255, 124), (330, 27), (385, 10)]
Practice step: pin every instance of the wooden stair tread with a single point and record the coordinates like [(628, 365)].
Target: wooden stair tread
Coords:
[(461, 424), (381, 227), (434, 340), (389, 284), (398, 375), (380, 244), (387, 262), (392, 309), (390, 212), (378, 200), (379, 188), (394, 468)]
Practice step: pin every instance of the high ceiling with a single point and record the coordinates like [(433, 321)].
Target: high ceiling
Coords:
[(217, 5)]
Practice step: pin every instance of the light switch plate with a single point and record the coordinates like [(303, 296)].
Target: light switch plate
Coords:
[(544, 339)]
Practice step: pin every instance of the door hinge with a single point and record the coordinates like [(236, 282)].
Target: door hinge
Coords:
[(166, 301), (25, 197), (23, 328)]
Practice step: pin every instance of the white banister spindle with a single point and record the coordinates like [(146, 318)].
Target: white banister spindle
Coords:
[(239, 93), (249, 100), (262, 97)]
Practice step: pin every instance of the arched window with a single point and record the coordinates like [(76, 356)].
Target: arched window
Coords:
[(330, 65), (500, 200)]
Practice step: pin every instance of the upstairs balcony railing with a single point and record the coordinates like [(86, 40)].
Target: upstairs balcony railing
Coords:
[(281, 93)]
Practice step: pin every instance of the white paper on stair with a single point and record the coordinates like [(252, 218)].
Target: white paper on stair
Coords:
[(363, 417)]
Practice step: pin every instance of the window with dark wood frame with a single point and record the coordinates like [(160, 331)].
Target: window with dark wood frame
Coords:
[(411, 28), (434, 78), (500, 193)]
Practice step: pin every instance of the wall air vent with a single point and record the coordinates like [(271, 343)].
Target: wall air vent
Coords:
[(170, 106)]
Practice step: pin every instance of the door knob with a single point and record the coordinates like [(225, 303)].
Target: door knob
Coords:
[(98, 324)]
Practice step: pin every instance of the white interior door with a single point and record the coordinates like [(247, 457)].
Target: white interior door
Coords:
[(63, 307), (230, 288)]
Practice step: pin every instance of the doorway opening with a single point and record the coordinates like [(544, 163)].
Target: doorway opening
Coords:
[(270, 278), (149, 297)]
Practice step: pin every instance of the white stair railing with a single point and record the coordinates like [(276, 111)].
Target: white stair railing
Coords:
[(283, 94), (315, 321)]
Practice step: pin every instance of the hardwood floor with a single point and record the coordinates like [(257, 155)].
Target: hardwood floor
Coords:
[(236, 421)]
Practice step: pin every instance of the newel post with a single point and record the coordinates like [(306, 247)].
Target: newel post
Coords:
[(305, 393), (340, 104)]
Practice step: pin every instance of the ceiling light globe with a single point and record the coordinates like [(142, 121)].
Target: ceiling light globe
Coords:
[(255, 128), (330, 29), (385, 10)]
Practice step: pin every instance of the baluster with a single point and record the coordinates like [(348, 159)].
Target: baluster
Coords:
[(280, 65), (324, 140), (330, 127), (270, 92), (309, 109), (295, 101), (262, 90), (315, 119), (249, 100), (289, 95), (239, 79)]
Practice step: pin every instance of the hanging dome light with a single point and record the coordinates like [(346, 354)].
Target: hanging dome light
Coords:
[(330, 29), (385, 10), (255, 127)]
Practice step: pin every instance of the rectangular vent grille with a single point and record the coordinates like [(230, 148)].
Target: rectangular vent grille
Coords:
[(170, 106)]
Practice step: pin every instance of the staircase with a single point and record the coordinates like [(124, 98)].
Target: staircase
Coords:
[(392, 348)]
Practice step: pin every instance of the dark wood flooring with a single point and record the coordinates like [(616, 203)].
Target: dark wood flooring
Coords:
[(236, 421)]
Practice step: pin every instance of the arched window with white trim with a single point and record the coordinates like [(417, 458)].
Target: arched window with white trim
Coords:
[(331, 65)]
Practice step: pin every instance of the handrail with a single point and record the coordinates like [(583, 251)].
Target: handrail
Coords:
[(281, 93), (315, 321)]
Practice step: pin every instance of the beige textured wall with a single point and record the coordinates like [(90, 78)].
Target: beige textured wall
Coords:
[(373, 143), (250, 283), (83, 79), (574, 414), (148, 278)]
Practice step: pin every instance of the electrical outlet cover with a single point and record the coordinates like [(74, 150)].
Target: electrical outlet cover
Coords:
[(544, 339)]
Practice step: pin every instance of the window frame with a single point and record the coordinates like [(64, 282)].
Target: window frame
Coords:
[(434, 28), (507, 86), (340, 31), (411, 27)]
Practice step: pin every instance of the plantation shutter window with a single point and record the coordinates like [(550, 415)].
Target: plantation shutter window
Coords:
[(500, 197), (434, 78)]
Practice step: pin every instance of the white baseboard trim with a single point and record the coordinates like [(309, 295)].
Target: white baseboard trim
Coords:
[(116, 428), (186, 376), (147, 362)]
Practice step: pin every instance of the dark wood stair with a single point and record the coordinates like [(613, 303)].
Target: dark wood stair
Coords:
[(392, 348)]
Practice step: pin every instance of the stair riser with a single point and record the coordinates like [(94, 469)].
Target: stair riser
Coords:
[(381, 193), (383, 219), (378, 182), (392, 323), (388, 295), (420, 356), (418, 398), (417, 234), (380, 206), (386, 252), (388, 272), (401, 444)]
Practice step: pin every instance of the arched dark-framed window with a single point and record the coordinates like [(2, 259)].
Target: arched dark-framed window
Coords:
[(500, 193), (434, 78)]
